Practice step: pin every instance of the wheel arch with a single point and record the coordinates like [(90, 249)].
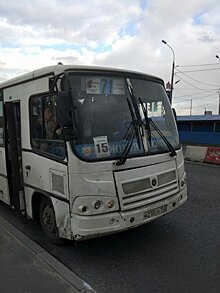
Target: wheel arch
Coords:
[(35, 203)]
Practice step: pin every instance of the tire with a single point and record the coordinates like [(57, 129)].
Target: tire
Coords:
[(48, 222)]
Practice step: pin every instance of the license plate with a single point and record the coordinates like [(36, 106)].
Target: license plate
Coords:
[(155, 212)]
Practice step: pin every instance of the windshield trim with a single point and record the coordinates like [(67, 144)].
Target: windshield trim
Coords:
[(122, 74)]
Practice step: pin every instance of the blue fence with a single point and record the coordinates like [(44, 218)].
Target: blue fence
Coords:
[(206, 138), (200, 130)]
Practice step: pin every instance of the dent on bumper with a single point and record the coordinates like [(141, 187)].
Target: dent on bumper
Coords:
[(85, 227)]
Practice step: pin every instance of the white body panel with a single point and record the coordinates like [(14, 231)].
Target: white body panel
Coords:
[(4, 192), (40, 175)]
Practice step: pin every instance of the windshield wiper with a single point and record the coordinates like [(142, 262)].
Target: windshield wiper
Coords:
[(134, 102), (135, 123), (147, 125), (135, 128), (139, 123), (169, 145), (131, 132), (150, 122)]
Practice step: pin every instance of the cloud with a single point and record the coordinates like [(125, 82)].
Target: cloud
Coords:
[(114, 33), (72, 21), (207, 38)]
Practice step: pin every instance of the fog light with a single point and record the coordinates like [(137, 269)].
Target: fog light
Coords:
[(97, 204), (112, 221), (110, 204)]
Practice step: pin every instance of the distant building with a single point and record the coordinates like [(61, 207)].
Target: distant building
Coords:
[(199, 129)]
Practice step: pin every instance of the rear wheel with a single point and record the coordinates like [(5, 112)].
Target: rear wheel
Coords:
[(48, 222)]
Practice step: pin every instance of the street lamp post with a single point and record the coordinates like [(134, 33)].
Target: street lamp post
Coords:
[(172, 74), (219, 91)]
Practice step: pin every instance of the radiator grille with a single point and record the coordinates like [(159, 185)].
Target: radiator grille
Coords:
[(142, 192), (136, 186), (166, 178)]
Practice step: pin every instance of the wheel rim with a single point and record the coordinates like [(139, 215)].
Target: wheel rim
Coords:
[(48, 219)]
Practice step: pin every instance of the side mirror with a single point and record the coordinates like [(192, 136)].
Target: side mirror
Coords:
[(63, 109), (69, 134), (64, 117)]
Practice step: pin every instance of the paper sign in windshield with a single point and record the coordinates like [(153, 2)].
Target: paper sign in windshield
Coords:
[(107, 86), (101, 146)]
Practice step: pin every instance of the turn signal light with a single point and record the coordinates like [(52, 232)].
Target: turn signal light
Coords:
[(110, 204), (97, 204)]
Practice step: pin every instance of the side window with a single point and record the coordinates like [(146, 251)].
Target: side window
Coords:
[(45, 131), (1, 120)]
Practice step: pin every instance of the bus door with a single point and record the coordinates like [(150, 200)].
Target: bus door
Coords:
[(13, 154)]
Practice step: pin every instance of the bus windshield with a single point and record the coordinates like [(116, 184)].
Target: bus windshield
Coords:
[(103, 116)]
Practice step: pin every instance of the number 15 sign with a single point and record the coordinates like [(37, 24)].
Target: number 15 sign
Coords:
[(101, 146)]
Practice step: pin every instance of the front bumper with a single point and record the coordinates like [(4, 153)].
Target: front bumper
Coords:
[(85, 227)]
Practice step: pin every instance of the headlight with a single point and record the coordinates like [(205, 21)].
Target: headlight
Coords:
[(82, 209), (90, 205)]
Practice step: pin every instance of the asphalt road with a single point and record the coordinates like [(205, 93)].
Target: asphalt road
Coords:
[(179, 252)]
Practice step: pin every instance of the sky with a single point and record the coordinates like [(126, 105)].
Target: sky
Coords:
[(123, 34)]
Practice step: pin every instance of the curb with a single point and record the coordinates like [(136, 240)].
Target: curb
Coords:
[(74, 280)]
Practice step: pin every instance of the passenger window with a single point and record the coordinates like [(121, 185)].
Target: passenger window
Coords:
[(46, 134)]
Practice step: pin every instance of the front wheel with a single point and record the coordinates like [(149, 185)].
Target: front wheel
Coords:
[(48, 222)]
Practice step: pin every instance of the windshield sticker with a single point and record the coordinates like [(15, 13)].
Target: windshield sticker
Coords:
[(92, 86), (118, 87), (115, 149), (101, 146), (106, 86), (87, 151)]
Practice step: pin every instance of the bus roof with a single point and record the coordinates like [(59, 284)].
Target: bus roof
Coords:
[(57, 69)]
